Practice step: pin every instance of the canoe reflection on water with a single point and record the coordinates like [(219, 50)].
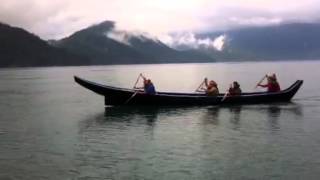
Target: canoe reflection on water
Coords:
[(205, 115), (149, 114)]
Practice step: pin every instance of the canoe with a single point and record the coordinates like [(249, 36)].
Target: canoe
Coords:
[(121, 96)]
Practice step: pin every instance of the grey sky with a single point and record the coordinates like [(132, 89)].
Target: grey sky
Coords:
[(59, 18)]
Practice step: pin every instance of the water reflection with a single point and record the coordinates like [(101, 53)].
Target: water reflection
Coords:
[(216, 115), (134, 116), (235, 117), (142, 135), (149, 114), (211, 116), (208, 115), (275, 111)]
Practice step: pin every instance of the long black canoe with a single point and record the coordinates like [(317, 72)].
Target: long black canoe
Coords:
[(122, 96)]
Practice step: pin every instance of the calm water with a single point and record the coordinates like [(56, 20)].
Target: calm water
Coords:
[(51, 128)]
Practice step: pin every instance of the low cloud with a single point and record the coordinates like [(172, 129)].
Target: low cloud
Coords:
[(119, 36), (218, 43), (190, 41), (124, 36), (256, 21)]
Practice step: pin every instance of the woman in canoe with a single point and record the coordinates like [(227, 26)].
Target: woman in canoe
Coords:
[(272, 84), (212, 87), (148, 86), (234, 89)]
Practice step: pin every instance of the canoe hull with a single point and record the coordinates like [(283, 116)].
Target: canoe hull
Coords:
[(121, 96)]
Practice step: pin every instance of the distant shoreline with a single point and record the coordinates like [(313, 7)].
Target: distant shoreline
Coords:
[(227, 62)]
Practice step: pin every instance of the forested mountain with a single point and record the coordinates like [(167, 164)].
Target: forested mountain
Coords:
[(279, 42), (21, 48), (104, 45)]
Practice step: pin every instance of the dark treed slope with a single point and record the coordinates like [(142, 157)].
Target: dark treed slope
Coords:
[(94, 46), (93, 43), (21, 48)]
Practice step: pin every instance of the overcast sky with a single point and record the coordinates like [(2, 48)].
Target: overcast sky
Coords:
[(58, 18)]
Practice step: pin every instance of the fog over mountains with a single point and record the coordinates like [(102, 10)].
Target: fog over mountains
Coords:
[(281, 42), (103, 44)]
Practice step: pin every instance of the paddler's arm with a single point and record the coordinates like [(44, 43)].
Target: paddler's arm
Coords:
[(263, 85), (206, 81)]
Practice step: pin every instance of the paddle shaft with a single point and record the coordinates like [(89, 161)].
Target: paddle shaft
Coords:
[(199, 86), (260, 81), (225, 96), (135, 84), (135, 93)]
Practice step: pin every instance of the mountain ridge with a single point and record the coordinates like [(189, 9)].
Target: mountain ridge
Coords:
[(136, 49), (285, 41), (103, 44), (19, 48)]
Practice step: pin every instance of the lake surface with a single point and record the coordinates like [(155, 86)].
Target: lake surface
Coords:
[(51, 128)]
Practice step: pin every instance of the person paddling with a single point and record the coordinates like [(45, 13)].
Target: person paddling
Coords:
[(234, 89), (272, 84), (212, 87), (148, 86)]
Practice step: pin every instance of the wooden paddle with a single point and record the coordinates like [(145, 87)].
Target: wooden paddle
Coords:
[(134, 87), (226, 94), (197, 90), (133, 95), (260, 81), (140, 75)]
